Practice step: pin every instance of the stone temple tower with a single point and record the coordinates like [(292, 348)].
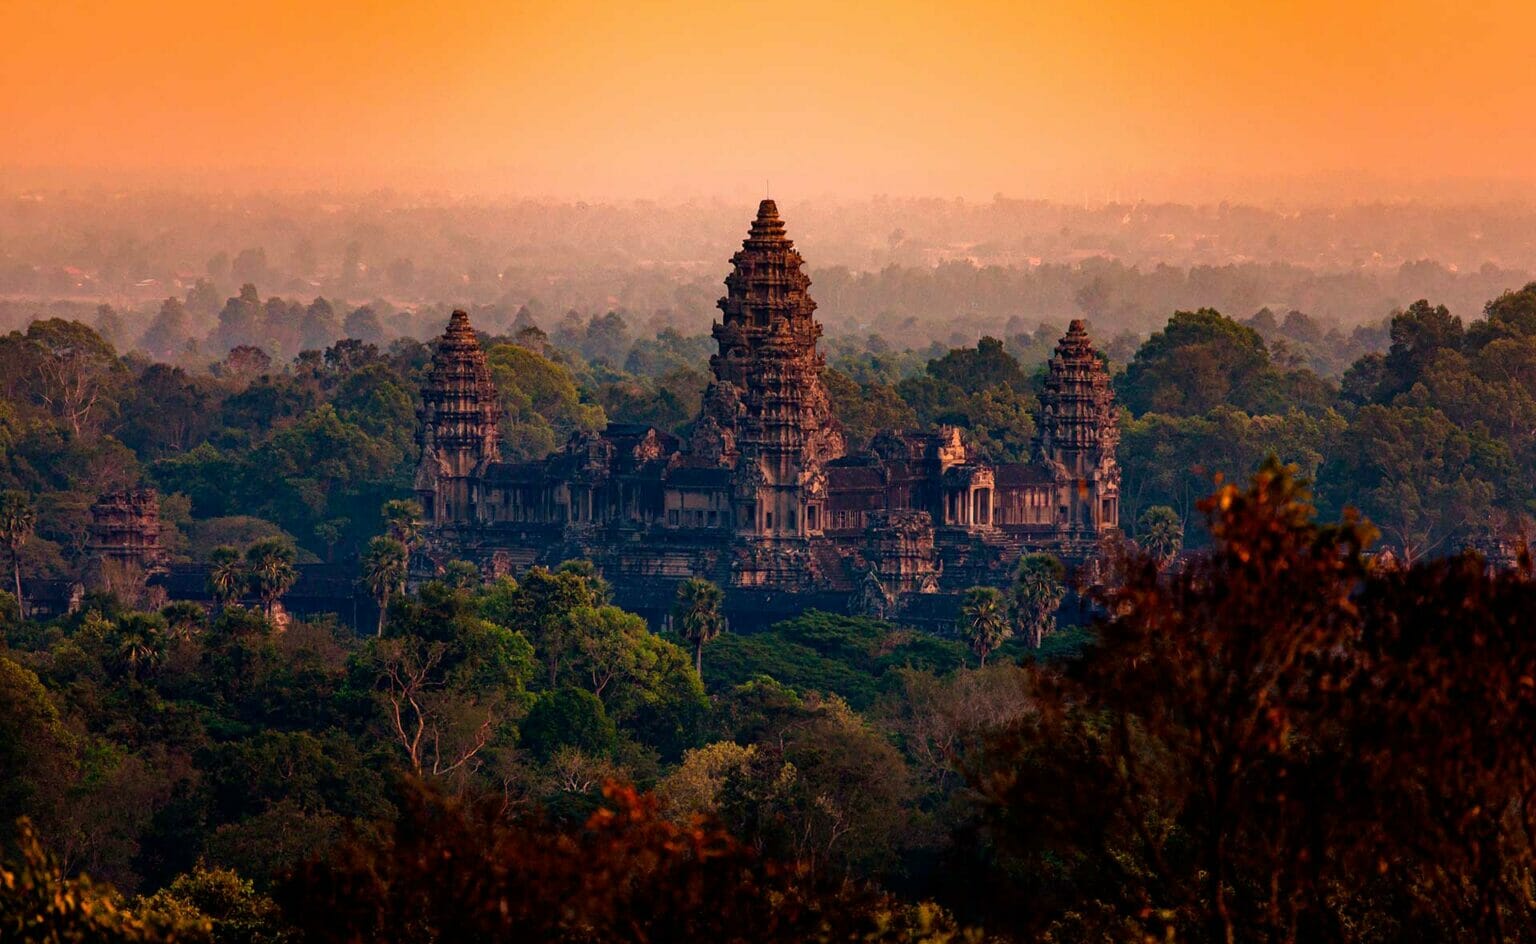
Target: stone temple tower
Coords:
[(766, 414), (1077, 433), (125, 532), (458, 435)]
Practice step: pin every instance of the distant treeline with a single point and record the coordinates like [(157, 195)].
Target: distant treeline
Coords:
[(912, 271), (897, 307)]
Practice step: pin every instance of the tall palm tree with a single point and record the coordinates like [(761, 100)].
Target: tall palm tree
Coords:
[(697, 615), (226, 576), (384, 567), (984, 620), (270, 563), (184, 620), (402, 519), (1036, 594), (1160, 533), (17, 522), (138, 645)]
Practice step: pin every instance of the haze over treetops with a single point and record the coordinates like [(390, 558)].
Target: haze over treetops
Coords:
[(1199, 99)]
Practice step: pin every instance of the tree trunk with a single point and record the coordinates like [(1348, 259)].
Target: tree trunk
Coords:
[(16, 574), (383, 607), (698, 658)]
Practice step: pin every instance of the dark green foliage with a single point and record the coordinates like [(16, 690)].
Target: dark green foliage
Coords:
[(983, 367), (848, 656), (568, 717)]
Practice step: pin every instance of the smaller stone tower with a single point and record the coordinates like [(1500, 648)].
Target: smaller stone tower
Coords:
[(1076, 436), (125, 533), (459, 434)]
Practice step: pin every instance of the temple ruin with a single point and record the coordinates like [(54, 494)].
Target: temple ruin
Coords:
[(763, 497)]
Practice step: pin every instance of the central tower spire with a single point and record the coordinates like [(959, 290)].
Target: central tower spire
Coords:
[(766, 414), (767, 295)]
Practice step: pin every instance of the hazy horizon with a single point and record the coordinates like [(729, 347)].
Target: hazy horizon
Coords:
[(1118, 101)]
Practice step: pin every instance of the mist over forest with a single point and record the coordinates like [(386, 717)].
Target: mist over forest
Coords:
[(911, 272)]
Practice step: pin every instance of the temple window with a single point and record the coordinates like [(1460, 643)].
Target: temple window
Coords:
[(672, 517)]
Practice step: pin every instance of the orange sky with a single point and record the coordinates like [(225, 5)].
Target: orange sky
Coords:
[(603, 99)]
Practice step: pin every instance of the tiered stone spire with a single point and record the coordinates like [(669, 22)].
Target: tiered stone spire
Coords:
[(767, 412), (1078, 423), (1077, 433), (125, 530), (768, 350), (459, 414), (767, 297)]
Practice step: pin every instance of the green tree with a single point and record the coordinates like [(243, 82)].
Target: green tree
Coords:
[(569, 717), (984, 620), (697, 617), (1198, 361), (608, 640), (983, 367), (384, 571), (448, 684), (540, 399), (234, 910), (540, 607), (227, 578), (38, 752), (140, 642), (168, 333), (40, 903), (272, 571), (18, 520), (1424, 480), (1160, 532), (72, 366), (1036, 594), (403, 520), (461, 575), (1419, 333)]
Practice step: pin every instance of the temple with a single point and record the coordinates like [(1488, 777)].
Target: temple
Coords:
[(762, 496), (125, 534)]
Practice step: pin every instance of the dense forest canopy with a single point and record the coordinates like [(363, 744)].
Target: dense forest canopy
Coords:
[(1418, 420), (463, 774), (1134, 758)]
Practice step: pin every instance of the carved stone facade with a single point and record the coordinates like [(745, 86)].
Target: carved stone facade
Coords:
[(125, 551), (459, 435), (125, 530), (763, 497)]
